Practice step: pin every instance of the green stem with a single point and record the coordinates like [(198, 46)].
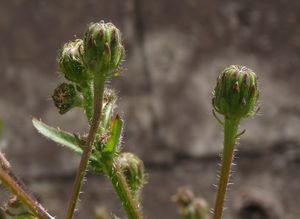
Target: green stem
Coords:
[(14, 184), (230, 132), (87, 92), (98, 97), (129, 202)]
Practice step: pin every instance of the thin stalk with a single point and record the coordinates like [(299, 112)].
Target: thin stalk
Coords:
[(230, 133), (129, 202), (98, 97), (87, 92), (14, 184)]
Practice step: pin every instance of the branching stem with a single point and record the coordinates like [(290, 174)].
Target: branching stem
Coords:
[(230, 133), (98, 97), (14, 184)]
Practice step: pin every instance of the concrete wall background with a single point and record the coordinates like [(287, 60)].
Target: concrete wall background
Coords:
[(175, 50)]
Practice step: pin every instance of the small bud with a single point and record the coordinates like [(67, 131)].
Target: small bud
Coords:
[(134, 171), (184, 196), (190, 207), (236, 94), (199, 208), (103, 49), (66, 97), (70, 62)]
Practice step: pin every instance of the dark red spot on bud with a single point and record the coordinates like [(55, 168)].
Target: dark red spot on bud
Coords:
[(106, 49), (235, 75), (223, 77), (114, 36), (245, 79), (252, 91), (236, 87), (101, 34)]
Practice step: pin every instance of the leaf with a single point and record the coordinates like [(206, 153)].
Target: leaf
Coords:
[(61, 137), (107, 113), (116, 131)]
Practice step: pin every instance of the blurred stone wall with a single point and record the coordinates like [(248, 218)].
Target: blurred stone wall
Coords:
[(175, 50)]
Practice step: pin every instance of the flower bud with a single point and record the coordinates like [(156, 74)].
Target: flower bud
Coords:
[(200, 208), (65, 97), (70, 62), (236, 93), (184, 196), (133, 169), (103, 49)]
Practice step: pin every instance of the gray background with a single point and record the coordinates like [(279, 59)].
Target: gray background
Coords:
[(175, 50)]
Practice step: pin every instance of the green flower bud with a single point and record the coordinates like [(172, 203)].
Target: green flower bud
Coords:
[(70, 63), (103, 49), (66, 97), (133, 169), (236, 93)]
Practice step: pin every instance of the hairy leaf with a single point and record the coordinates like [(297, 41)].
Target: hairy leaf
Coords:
[(115, 138)]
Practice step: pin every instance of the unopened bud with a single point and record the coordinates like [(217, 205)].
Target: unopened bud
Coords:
[(133, 169), (103, 49), (70, 62), (184, 196), (66, 97), (236, 93)]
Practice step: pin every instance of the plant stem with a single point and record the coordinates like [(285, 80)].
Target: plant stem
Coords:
[(13, 183), (87, 92), (118, 180), (98, 97), (230, 132)]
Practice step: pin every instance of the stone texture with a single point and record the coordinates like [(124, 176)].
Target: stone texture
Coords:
[(175, 50)]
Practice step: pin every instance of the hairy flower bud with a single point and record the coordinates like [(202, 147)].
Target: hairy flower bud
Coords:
[(236, 93), (70, 62), (65, 97), (103, 49), (133, 169)]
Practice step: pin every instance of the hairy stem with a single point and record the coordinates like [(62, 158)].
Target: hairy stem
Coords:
[(98, 97), (87, 92), (230, 132), (14, 184), (129, 202)]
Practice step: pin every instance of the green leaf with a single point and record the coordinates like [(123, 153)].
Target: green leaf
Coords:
[(67, 139), (114, 140), (107, 113), (61, 137)]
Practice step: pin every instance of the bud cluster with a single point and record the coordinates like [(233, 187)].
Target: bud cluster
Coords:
[(190, 207), (97, 57), (236, 93)]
